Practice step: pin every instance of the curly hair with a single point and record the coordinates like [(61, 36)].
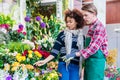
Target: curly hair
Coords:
[(77, 15)]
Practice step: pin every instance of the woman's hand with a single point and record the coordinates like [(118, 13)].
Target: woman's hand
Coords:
[(78, 54), (40, 63)]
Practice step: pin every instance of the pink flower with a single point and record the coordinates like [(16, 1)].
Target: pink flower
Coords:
[(109, 75), (6, 26), (24, 33), (19, 30)]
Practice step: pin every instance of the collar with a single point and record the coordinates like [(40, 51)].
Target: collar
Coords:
[(93, 23)]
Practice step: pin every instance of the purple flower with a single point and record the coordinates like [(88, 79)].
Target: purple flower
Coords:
[(9, 77), (42, 72), (38, 18), (43, 25), (21, 26), (27, 19)]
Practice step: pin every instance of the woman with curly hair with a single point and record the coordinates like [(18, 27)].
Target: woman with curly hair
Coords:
[(68, 42)]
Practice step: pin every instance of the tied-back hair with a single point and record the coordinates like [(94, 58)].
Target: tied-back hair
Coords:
[(90, 8), (77, 15)]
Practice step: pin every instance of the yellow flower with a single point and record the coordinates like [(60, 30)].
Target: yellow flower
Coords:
[(112, 56), (15, 64), (23, 67), (28, 66), (52, 65), (7, 67), (18, 54), (14, 68), (23, 58), (53, 75), (30, 55), (48, 78), (19, 59), (38, 54), (30, 51)]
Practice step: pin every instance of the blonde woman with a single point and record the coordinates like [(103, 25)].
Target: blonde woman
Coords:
[(96, 45)]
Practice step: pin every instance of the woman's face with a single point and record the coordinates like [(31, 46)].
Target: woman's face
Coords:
[(71, 23), (88, 17)]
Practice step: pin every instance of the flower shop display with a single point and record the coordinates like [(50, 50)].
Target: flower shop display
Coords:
[(111, 71), (25, 47)]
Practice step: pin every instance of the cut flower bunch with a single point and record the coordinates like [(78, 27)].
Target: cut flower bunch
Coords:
[(111, 71)]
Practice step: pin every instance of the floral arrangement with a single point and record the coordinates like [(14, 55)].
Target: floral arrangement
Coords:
[(17, 35), (111, 71)]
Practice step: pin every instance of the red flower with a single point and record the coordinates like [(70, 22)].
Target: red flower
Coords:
[(25, 53), (24, 33), (19, 30), (45, 54)]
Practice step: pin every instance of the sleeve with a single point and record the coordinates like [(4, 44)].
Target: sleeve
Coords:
[(95, 42), (57, 45)]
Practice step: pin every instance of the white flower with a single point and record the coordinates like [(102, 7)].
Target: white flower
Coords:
[(51, 40), (15, 53), (36, 74), (29, 43), (20, 75), (32, 79), (45, 45), (3, 74), (40, 42)]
